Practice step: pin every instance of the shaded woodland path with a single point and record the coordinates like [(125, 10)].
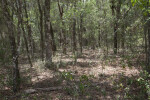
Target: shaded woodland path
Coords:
[(107, 77)]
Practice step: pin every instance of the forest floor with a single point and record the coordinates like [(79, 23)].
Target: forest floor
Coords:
[(93, 76)]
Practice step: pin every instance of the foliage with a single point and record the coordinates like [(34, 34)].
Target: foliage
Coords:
[(74, 87), (142, 86)]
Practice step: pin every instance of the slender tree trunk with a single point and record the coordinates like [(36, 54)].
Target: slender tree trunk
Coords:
[(123, 33), (20, 17), (30, 39), (74, 36), (148, 55), (81, 32), (63, 34), (145, 39), (74, 31), (118, 14), (116, 23), (53, 40), (60, 38), (115, 38), (64, 39), (99, 36), (115, 26), (18, 33), (41, 30), (123, 38), (10, 26), (148, 34), (16, 74), (48, 38)]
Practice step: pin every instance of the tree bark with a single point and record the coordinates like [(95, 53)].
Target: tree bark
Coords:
[(30, 39), (53, 39), (74, 36), (148, 55), (145, 40), (74, 31), (116, 22), (41, 30), (48, 38), (63, 35), (99, 36), (20, 18), (10, 26), (81, 32)]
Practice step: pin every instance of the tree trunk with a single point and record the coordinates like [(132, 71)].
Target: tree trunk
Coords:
[(16, 74), (123, 32), (99, 36), (30, 39), (53, 40), (48, 38), (123, 38), (115, 28), (74, 36), (148, 34), (10, 26), (115, 38), (64, 39), (63, 34), (148, 55), (41, 30), (145, 40), (81, 32), (20, 18), (116, 22)]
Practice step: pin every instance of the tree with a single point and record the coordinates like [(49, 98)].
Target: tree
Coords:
[(63, 34), (41, 29), (14, 50), (20, 18), (145, 4), (115, 6), (48, 38)]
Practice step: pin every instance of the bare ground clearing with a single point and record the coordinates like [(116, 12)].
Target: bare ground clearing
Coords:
[(109, 77)]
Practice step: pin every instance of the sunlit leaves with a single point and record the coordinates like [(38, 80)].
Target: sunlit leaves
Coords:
[(143, 5), (133, 2)]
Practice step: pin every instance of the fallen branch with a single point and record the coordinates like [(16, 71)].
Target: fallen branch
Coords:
[(35, 90), (30, 91)]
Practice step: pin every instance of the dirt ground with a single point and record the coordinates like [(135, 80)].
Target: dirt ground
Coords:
[(107, 77)]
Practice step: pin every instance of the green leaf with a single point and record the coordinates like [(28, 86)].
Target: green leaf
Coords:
[(133, 2)]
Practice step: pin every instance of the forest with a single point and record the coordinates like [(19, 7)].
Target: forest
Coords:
[(74, 49)]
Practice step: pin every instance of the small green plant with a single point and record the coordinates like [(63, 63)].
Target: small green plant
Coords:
[(142, 85), (67, 76), (74, 87), (103, 91)]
